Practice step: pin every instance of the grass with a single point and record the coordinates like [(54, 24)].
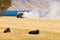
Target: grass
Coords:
[(22, 34), (49, 29)]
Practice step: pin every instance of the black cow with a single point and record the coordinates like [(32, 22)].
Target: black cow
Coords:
[(20, 15), (34, 32), (7, 30)]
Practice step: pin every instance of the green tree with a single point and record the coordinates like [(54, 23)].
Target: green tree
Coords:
[(4, 5)]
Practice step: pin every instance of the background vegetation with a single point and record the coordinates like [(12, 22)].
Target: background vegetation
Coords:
[(4, 5)]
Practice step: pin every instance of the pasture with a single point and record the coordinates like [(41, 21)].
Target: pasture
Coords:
[(49, 29)]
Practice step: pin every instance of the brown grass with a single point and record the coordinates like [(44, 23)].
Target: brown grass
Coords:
[(49, 29)]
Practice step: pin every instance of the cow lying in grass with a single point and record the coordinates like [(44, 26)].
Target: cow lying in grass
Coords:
[(19, 15), (7, 30), (34, 32)]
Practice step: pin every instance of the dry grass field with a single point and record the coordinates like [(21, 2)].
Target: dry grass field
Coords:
[(49, 29)]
